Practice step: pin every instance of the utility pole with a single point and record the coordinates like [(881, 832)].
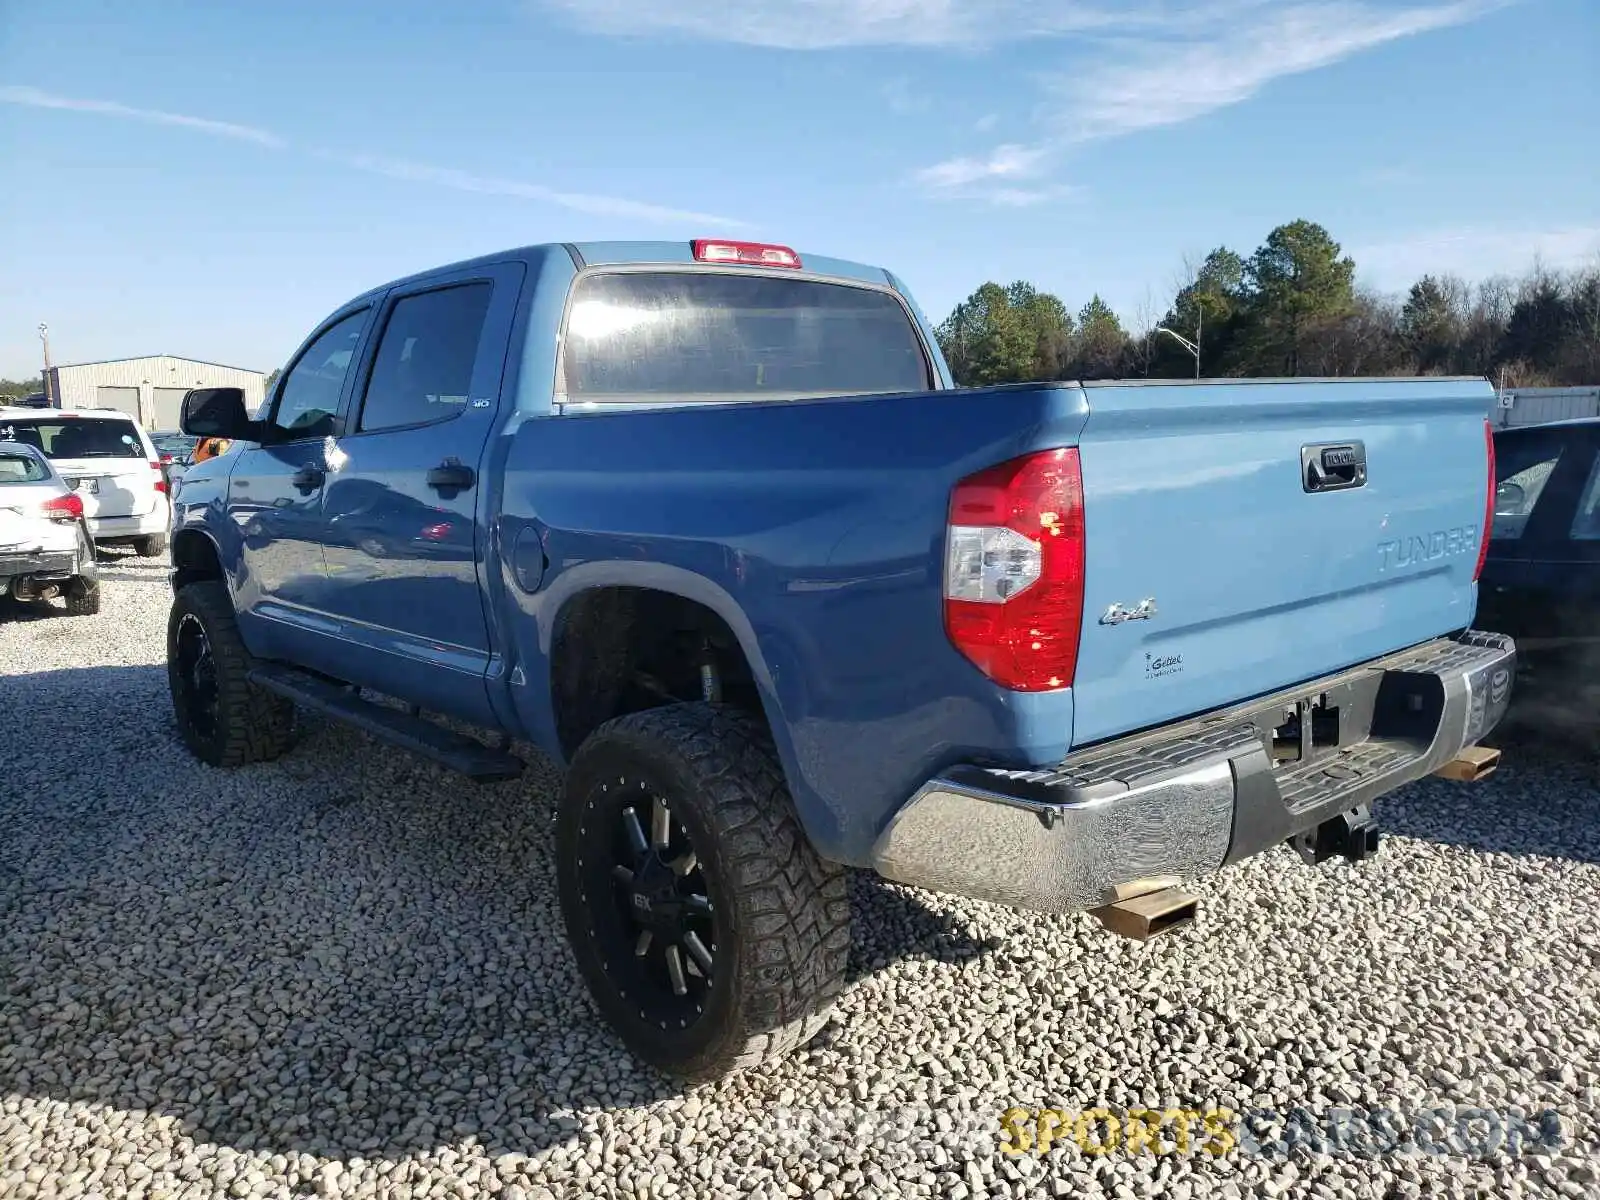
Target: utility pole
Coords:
[(44, 336)]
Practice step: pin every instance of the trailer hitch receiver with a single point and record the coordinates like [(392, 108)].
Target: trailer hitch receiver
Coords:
[(1352, 834)]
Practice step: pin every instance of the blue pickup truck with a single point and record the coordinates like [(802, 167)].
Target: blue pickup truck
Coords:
[(709, 524)]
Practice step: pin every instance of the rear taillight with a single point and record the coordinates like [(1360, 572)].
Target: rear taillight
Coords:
[(752, 254), (1013, 575), (1488, 504), (161, 484), (66, 508)]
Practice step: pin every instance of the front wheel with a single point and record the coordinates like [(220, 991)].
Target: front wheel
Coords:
[(708, 931), (224, 719)]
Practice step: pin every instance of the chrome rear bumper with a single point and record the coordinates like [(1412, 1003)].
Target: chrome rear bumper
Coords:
[(1189, 798)]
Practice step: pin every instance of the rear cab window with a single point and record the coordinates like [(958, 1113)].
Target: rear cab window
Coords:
[(76, 437), (697, 335)]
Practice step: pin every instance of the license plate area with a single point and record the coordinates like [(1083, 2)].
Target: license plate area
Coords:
[(1318, 725), (89, 485), (1309, 728)]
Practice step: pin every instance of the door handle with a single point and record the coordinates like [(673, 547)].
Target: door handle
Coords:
[(308, 478), (451, 475)]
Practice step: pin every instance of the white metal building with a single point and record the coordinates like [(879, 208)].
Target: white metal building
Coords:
[(1539, 406), (150, 389)]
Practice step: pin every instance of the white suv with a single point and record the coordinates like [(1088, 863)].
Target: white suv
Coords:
[(110, 463)]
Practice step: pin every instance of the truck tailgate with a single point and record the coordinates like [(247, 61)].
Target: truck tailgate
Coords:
[(1196, 501)]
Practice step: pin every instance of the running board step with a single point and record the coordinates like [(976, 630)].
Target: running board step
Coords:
[(416, 734)]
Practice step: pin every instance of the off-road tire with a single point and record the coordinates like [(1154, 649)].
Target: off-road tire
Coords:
[(83, 596), (153, 546), (783, 912), (252, 724)]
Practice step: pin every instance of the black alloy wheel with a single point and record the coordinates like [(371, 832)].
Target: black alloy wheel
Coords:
[(224, 719), (194, 675), (710, 934), (663, 945)]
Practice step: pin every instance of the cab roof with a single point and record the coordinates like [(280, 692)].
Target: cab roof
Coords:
[(642, 253)]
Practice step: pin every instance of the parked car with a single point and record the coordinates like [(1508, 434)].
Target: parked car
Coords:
[(709, 523), (1542, 578), (45, 547), (112, 465), (173, 447), (174, 450)]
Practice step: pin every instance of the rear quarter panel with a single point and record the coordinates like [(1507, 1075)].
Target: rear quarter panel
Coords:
[(816, 530)]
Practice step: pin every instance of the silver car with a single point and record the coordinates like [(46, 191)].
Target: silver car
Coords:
[(45, 548)]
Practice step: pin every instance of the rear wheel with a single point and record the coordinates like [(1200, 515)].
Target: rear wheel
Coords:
[(83, 591), (153, 546), (83, 596), (224, 719), (710, 934)]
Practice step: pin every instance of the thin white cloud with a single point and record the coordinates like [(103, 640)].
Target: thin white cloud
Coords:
[(1144, 85), (1026, 197), (1010, 161), (1155, 62), (831, 24), (1010, 195), (610, 206), (1475, 252), (35, 98), (607, 206)]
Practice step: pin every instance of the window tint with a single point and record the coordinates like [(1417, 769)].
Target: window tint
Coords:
[(89, 437), (308, 400), (423, 369), (1586, 521), (699, 334), (21, 468), (1522, 467)]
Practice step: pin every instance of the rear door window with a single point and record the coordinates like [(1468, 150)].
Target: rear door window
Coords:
[(1523, 465), (647, 335), (423, 368), (76, 437)]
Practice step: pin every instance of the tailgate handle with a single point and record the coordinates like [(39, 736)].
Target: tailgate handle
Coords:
[(1333, 466)]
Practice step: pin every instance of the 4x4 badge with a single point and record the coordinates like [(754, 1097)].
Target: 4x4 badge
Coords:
[(1116, 614)]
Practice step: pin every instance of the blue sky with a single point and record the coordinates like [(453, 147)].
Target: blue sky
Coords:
[(210, 179)]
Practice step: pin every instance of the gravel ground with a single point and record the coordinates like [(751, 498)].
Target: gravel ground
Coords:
[(343, 974)]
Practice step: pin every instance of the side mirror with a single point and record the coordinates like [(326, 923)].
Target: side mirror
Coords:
[(217, 412)]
